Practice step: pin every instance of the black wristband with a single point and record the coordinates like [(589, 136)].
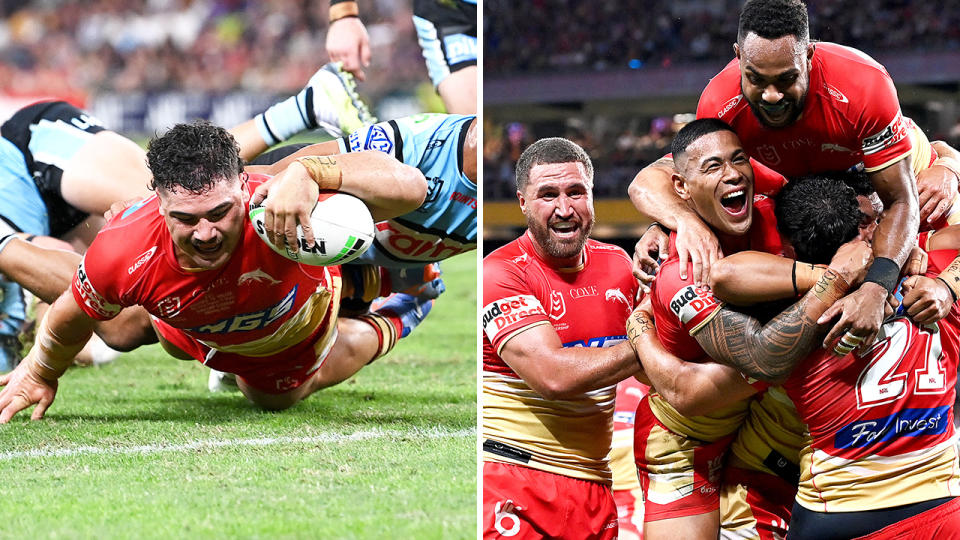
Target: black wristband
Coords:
[(793, 276), (660, 226), (883, 272)]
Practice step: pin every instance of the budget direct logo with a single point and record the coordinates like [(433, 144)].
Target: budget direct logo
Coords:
[(691, 302), (501, 313)]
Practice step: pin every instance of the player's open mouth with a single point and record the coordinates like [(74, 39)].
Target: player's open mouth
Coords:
[(564, 229), (212, 249), (735, 202), (776, 112)]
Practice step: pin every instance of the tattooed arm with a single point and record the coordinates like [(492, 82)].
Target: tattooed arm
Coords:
[(692, 388), (769, 352)]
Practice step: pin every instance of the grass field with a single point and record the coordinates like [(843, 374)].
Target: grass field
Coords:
[(139, 448)]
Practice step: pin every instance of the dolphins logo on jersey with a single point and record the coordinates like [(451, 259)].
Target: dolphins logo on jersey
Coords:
[(256, 276), (617, 294)]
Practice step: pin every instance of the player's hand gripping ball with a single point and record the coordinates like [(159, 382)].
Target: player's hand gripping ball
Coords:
[(342, 226)]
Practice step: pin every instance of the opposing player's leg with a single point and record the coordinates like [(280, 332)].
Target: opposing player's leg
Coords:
[(459, 91), (329, 101), (447, 33)]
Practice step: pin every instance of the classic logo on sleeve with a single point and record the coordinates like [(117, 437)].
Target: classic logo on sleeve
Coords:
[(93, 300), (142, 259), (505, 312), (891, 135), (692, 303)]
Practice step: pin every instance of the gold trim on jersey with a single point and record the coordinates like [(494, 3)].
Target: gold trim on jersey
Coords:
[(773, 424), (921, 151), (736, 515), (709, 318), (709, 427), (622, 464), (570, 437), (832, 484), (297, 328), (514, 333)]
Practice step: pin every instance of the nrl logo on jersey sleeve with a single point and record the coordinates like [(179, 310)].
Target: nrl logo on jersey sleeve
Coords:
[(374, 137), (557, 307)]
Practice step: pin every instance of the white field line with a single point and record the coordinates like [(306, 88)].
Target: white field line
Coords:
[(434, 433)]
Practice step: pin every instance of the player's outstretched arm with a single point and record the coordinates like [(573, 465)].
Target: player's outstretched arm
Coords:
[(692, 388), (861, 312), (558, 372), (652, 193), (62, 334), (769, 352), (389, 189), (752, 277)]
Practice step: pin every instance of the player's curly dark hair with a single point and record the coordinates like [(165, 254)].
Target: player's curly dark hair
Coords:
[(551, 150), (193, 157), (817, 214), (772, 19), (694, 130), (858, 180)]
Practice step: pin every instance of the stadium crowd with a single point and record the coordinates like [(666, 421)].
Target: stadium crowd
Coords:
[(605, 36), (73, 47)]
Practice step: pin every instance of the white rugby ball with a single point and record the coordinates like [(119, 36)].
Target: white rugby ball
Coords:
[(342, 226)]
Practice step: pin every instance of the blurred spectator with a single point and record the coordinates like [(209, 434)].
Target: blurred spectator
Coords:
[(68, 47), (618, 146), (617, 35)]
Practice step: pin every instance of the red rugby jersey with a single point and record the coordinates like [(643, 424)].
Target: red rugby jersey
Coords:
[(256, 304), (851, 115), (588, 306)]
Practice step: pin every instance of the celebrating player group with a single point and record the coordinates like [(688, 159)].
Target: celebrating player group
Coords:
[(794, 317)]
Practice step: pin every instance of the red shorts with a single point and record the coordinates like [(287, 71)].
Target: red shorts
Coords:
[(523, 503), (276, 374), (755, 504), (680, 476), (938, 523), (629, 513)]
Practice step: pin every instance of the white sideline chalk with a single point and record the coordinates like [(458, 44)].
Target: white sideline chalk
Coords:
[(434, 433)]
